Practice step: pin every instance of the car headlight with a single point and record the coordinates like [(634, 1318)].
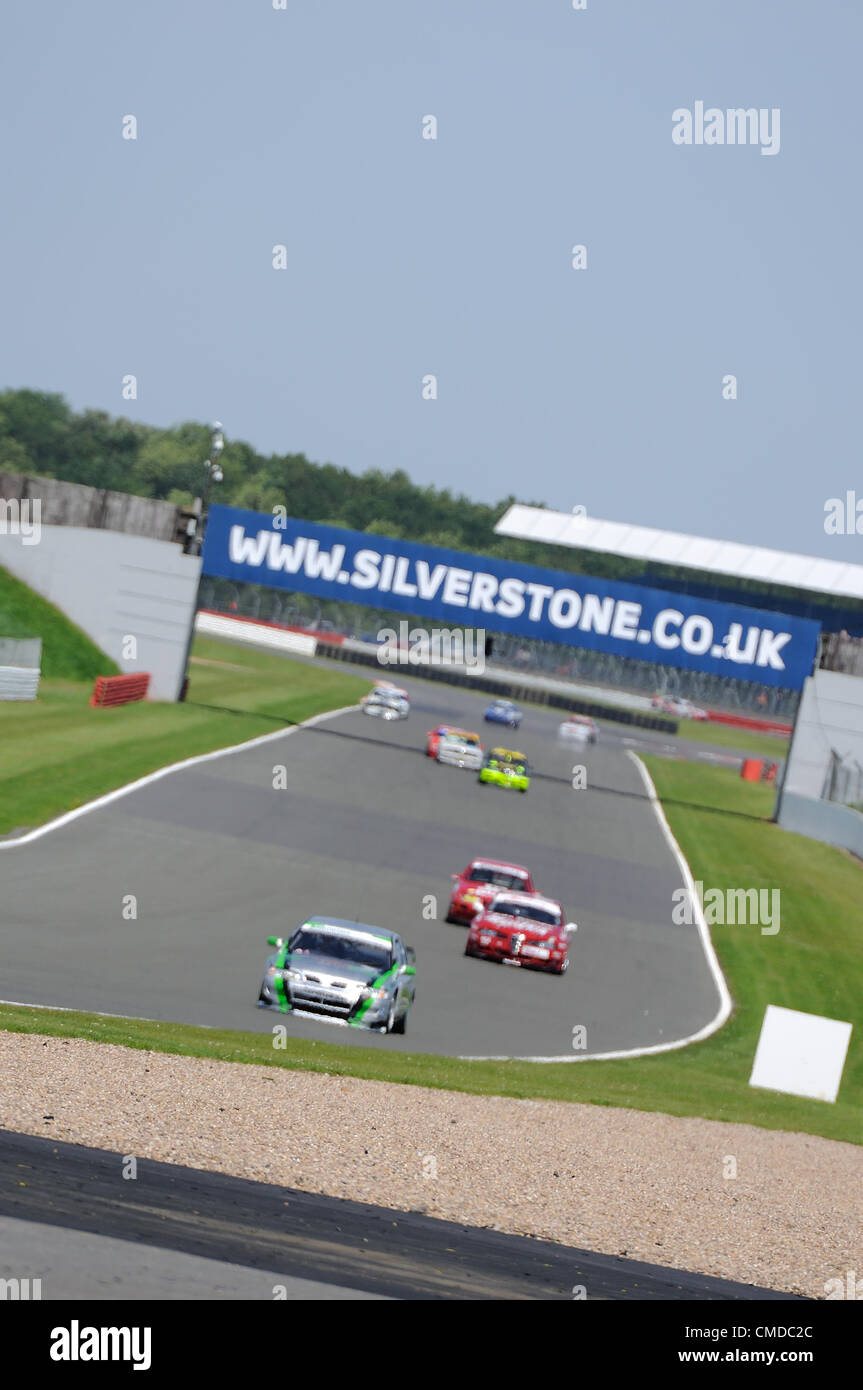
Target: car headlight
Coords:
[(374, 993)]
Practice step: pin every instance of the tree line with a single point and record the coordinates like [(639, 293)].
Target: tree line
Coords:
[(40, 434)]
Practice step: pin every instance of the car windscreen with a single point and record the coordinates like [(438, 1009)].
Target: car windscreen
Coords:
[(499, 878), (461, 738), (351, 949), (527, 910)]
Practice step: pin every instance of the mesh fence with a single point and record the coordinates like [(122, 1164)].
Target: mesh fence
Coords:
[(844, 781), (634, 677)]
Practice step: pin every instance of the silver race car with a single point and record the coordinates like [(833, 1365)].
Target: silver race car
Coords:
[(385, 703), (344, 972), (458, 748)]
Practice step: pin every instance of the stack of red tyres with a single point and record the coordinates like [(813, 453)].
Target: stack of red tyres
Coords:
[(120, 690)]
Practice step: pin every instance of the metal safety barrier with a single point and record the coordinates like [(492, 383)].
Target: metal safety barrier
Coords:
[(19, 682), (257, 633), (490, 685)]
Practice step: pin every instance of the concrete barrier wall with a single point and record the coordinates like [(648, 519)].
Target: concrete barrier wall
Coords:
[(830, 720), (823, 820), (75, 504), (255, 634), (115, 586), (21, 651)]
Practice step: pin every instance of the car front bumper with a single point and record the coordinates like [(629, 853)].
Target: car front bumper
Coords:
[(499, 779), (532, 958), (305, 1001)]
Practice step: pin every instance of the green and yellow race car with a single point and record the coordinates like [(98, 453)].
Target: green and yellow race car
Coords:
[(504, 767)]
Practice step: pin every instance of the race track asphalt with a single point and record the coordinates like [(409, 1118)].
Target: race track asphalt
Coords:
[(217, 860), (67, 1217)]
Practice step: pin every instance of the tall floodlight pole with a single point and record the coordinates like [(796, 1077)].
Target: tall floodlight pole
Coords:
[(212, 474)]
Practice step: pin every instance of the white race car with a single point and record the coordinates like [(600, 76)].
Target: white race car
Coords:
[(682, 709), (579, 727), (386, 703), (392, 689), (459, 748)]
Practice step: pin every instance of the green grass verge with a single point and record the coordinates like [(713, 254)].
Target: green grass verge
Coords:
[(57, 753), (726, 736), (67, 653), (692, 785)]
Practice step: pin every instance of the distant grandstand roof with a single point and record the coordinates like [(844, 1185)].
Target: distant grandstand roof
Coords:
[(804, 572)]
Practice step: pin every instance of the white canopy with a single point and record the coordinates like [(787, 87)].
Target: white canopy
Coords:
[(674, 548)]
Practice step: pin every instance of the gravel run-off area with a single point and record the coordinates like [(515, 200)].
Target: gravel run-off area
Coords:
[(648, 1186)]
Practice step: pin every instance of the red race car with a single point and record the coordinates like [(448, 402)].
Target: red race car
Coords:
[(481, 881), (433, 738), (522, 929)]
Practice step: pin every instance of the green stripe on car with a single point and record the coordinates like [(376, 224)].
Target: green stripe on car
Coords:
[(377, 983), (282, 994)]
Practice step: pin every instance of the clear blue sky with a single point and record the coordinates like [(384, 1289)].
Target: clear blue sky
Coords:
[(303, 127)]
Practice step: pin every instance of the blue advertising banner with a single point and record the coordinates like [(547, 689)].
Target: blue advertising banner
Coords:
[(478, 591)]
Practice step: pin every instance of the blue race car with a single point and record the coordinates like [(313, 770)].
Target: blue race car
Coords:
[(503, 712)]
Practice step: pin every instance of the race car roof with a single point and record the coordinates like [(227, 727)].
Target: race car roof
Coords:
[(499, 864), (340, 926), (510, 754), (533, 899)]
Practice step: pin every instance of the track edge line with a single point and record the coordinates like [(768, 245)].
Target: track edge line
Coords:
[(726, 1003), (108, 797)]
